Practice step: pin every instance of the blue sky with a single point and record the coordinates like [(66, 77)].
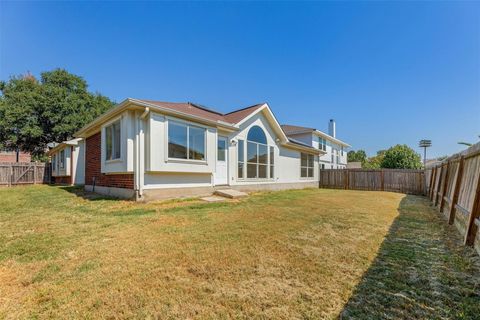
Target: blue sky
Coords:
[(387, 72)]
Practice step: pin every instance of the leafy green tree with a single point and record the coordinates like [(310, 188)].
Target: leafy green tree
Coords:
[(374, 162), (357, 156), (34, 113), (401, 157)]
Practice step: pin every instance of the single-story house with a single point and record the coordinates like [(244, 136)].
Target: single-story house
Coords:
[(68, 162), (148, 150)]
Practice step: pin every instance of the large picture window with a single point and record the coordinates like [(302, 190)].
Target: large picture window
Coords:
[(112, 139), (186, 141), (306, 165), (257, 154)]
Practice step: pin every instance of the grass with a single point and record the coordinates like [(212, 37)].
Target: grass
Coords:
[(292, 254)]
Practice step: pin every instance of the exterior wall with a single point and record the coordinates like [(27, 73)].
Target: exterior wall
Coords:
[(327, 158), (127, 138), (62, 180), (286, 162), (156, 147), (79, 163), (11, 156), (93, 173), (66, 171)]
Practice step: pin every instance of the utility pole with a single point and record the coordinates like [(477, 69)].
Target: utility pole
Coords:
[(425, 144)]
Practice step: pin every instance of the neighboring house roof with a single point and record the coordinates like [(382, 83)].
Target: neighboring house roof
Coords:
[(298, 142), (292, 130), (226, 121), (61, 145)]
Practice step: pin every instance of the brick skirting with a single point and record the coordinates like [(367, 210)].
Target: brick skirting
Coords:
[(93, 154)]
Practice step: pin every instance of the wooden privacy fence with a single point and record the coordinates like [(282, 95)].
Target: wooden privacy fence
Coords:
[(396, 180), (19, 173), (453, 186)]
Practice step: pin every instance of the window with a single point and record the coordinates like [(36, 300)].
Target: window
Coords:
[(241, 158), (62, 159), (54, 162), (322, 144), (306, 165), (272, 158), (112, 139), (342, 150), (186, 141), (257, 154), (221, 148), (322, 165)]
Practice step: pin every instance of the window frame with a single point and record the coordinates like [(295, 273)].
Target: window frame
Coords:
[(268, 165), (322, 144), (62, 161), (188, 124), (307, 167), (241, 160), (110, 126)]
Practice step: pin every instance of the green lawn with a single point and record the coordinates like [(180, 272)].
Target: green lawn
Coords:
[(292, 254)]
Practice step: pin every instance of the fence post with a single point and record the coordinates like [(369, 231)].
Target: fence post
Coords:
[(444, 188), (471, 226), (456, 190), (34, 173), (434, 176), (438, 186), (346, 179), (382, 180)]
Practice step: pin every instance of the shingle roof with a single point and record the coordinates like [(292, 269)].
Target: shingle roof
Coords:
[(291, 129), (204, 112)]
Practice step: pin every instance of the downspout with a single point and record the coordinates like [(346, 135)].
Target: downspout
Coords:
[(140, 154)]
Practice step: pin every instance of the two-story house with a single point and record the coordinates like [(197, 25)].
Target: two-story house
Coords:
[(335, 156)]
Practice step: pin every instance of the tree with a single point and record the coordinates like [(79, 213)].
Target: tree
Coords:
[(401, 157), (357, 156), (34, 113), (374, 162)]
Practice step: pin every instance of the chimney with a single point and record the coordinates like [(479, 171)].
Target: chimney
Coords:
[(331, 128)]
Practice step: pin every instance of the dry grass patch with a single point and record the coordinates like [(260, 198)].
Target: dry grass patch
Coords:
[(283, 255)]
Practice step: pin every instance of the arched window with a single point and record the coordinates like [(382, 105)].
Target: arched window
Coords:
[(256, 134), (257, 154)]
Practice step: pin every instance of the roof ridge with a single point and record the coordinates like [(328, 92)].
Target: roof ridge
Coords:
[(255, 105), (199, 106)]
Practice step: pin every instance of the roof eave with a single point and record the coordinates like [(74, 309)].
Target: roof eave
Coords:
[(324, 135), (131, 103)]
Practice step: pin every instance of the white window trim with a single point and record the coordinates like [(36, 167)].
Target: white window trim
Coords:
[(104, 133), (307, 167), (187, 123)]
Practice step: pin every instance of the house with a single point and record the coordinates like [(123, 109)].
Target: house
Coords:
[(148, 150), (68, 162), (7, 155), (335, 155)]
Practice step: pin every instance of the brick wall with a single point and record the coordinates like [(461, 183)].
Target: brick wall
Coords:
[(93, 167), (10, 156), (62, 180)]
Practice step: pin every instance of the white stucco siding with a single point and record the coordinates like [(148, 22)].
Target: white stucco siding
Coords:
[(66, 170), (79, 163), (161, 180), (127, 137), (286, 162), (157, 148)]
